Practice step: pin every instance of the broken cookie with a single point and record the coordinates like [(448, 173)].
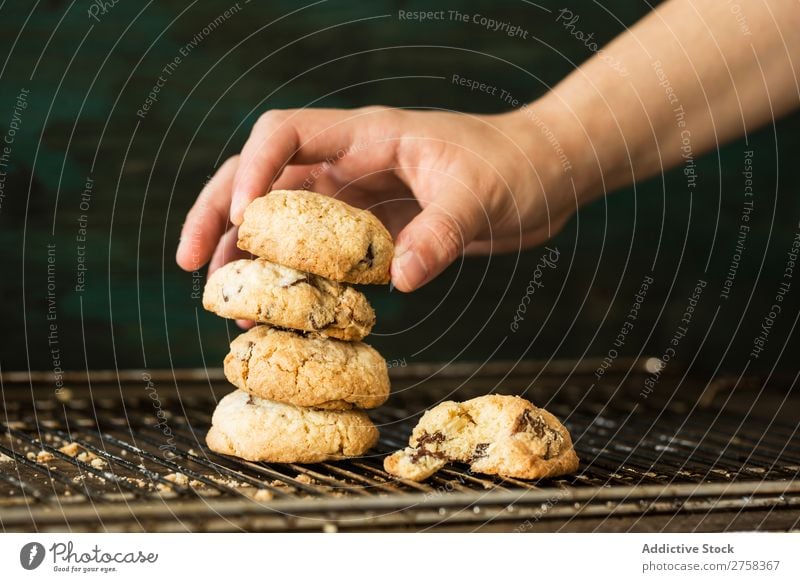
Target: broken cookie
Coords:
[(497, 435)]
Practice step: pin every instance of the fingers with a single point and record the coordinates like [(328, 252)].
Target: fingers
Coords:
[(207, 220), (298, 177), (281, 137), (227, 251), (434, 239)]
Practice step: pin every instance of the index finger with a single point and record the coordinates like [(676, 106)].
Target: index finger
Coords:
[(281, 137), (207, 220)]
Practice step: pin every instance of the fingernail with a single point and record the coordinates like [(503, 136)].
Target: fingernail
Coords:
[(237, 208), (409, 268)]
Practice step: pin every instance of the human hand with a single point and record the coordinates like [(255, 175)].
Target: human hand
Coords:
[(443, 183)]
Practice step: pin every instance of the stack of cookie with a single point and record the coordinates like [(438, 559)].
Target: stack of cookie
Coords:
[(303, 375)]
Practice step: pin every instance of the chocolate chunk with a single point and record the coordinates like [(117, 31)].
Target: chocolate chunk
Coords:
[(431, 439), (225, 297), (250, 399), (369, 257), (428, 439), (480, 451), (536, 425), (421, 452), (317, 325), (528, 423)]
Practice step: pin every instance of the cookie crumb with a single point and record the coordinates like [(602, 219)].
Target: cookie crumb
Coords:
[(262, 495), (178, 478), (227, 482), (284, 486), (70, 449), (303, 478), (98, 463), (86, 457), (44, 457)]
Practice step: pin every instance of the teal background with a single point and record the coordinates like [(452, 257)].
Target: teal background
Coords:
[(87, 79)]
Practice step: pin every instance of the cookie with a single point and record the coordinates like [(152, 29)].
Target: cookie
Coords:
[(317, 234), (307, 370), (268, 293), (496, 435), (257, 429)]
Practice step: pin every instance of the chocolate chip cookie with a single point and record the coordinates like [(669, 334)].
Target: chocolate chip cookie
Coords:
[(307, 370), (257, 429), (496, 435), (264, 292), (317, 234)]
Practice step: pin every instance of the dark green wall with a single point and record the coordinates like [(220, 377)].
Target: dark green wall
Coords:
[(87, 79)]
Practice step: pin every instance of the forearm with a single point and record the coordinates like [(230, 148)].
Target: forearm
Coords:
[(688, 77)]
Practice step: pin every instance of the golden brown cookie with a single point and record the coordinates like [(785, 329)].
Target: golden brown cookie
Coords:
[(264, 292), (496, 435), (263, 430), (317, 234), (307, 370)]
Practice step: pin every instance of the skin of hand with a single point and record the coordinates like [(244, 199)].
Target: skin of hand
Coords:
[(446, 183), (699, 73), (443, 183)]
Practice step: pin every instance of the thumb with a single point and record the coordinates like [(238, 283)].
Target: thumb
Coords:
[(434, 239)]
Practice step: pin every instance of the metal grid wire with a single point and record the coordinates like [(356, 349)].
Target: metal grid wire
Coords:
[(111, 454)]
